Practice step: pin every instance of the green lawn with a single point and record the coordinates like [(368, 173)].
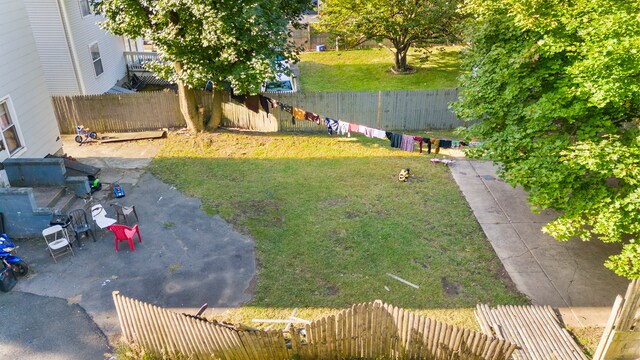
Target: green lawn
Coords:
[(330, 219), (368, 70)]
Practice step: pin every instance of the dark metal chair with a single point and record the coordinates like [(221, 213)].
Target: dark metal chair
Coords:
[(80, 224)]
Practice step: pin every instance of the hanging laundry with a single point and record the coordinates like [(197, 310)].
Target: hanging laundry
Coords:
[(428, 141), (238, 98), (264, 102), (353, 128), (274, 103), (253, 103), (332, 125), (445, 144), (455, 143), (361, 129), (436, 143), (377, 133), (298, 113), (406, 143), (419, 139), (368, 132), (396, 139), (285, 107), (312, 117), (343, 128)]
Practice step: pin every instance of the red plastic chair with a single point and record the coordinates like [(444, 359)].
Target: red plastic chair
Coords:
[(123, 233)]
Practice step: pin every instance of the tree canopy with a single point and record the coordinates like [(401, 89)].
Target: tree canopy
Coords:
[(405, 23), (554, 88), (226, 42)]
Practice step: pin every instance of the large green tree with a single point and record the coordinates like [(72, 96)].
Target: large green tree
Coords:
[(405, 23), (226, 42), (554, 88)]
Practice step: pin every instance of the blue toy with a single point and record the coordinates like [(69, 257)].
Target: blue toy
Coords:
[(118, 191)]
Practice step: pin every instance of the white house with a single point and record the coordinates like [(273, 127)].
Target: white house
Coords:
[(77, 56), (28, 127)]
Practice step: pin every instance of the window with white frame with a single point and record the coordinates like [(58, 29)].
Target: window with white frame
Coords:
[(95, 57), (85, 8), (9, 136)]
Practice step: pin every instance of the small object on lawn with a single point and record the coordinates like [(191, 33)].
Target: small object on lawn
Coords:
[(300, 320), (404, 175), (293, 313), (386, 288), (292, 320), (118, 191), (445, 162), (404, 281)]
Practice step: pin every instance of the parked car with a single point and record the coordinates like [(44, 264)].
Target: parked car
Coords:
[(283, 82)]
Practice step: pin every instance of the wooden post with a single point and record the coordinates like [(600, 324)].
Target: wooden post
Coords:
[(379, 108)]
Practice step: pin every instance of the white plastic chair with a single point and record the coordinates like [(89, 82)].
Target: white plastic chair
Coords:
[(57, 240), (99, 215)]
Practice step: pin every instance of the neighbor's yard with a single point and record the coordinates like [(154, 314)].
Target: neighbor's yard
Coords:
[(330, 219), (368, 70)]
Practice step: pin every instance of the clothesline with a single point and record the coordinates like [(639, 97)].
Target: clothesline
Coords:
[(400, 141)]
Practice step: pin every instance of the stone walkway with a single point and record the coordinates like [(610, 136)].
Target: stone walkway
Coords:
[(569, 276)]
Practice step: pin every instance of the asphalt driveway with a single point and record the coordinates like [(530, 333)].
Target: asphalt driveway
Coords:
[(187, 258)]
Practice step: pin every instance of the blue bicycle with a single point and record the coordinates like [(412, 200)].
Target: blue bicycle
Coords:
[(85, 134)]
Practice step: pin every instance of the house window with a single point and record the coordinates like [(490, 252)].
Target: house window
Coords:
[(95, 57), (85, 8), (9, 139)]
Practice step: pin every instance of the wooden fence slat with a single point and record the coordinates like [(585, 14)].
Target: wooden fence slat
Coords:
[(368, 330)]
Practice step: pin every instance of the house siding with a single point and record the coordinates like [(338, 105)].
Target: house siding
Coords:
[(51, 42), (85, 32), (22, 81), (46, 18)]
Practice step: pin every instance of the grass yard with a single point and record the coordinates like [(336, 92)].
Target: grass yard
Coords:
[(330, 219), (368, 70)]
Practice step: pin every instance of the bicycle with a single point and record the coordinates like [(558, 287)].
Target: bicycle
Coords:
[(85, 134)]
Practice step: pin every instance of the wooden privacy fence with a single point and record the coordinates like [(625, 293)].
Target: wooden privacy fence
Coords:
[(621, 337), (118, 112), (371, 330), (389, 110)]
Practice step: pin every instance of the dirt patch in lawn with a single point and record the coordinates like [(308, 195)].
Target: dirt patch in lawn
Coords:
[(450, 288)]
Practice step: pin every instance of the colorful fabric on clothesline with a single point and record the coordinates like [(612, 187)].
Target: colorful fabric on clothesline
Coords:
[(396, 139), (252, 103), (264, 102), (343, 128), (298, 113), (332, 125), (420, 140), (308, 115), (379, 134), (407, 143)]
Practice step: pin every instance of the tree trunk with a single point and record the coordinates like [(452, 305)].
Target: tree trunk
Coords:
[(187, 101), (401, 60), (216, 110)]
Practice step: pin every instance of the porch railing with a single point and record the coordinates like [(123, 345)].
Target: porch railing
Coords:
[(136, 60)]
